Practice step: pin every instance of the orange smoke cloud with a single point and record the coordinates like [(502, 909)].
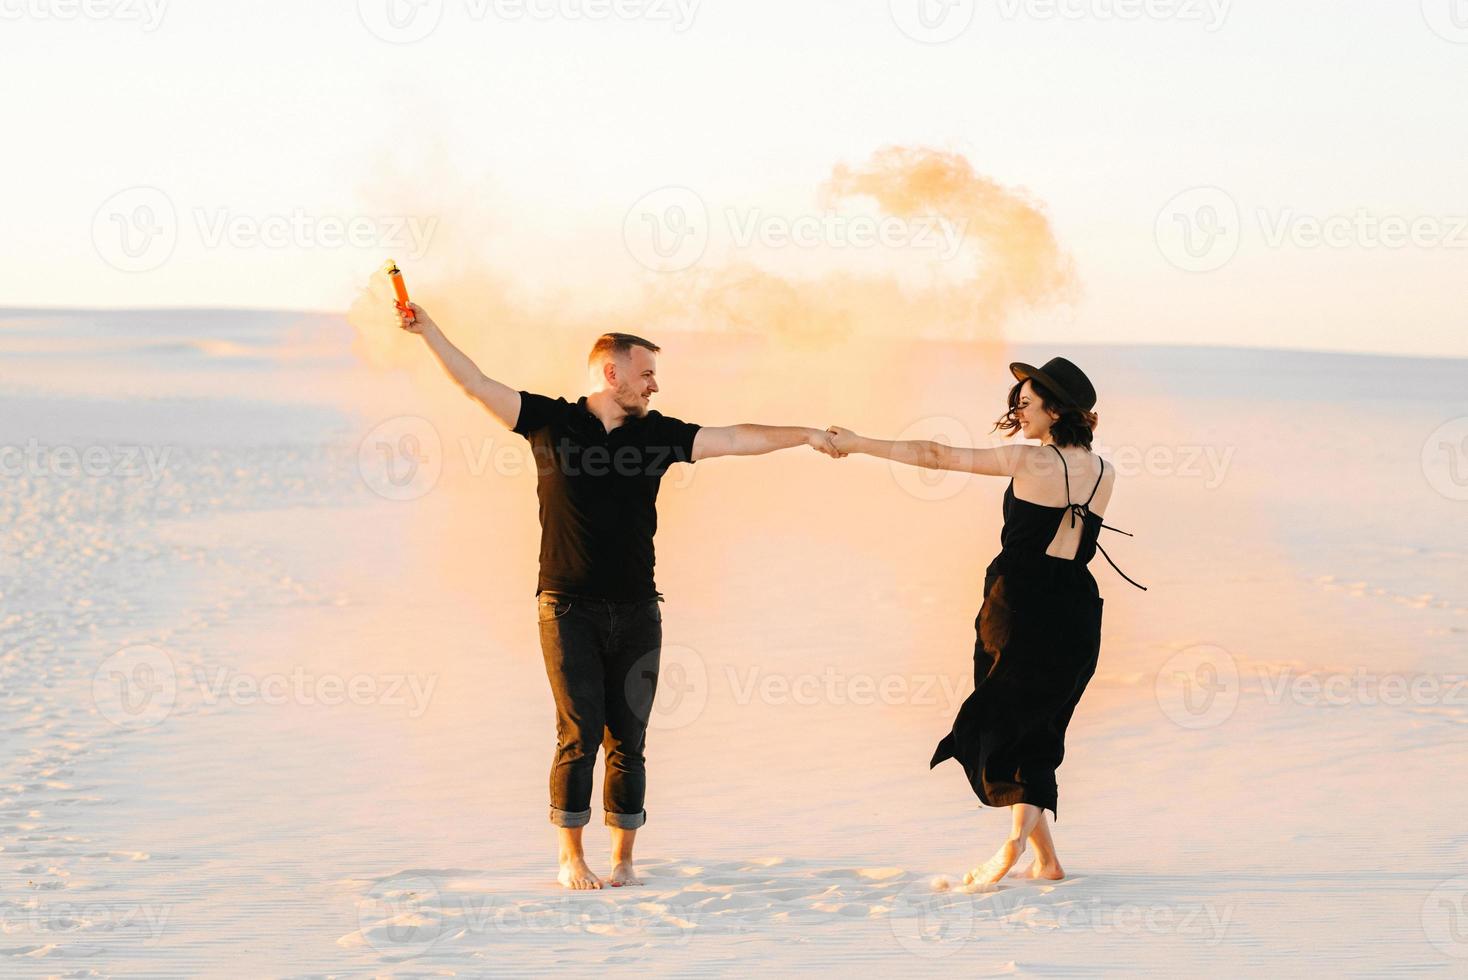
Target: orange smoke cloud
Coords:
[(1009, 263), (1019, 263)]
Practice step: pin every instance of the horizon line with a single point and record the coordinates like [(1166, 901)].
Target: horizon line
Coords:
[(1156, 345)]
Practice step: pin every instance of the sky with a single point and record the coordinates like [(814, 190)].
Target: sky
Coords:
[(1250, 173)]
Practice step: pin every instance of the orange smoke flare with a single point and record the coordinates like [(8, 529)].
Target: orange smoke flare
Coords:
[(399, 287)]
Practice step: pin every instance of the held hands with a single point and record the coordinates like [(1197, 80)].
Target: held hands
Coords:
[(835, 442), (842, 441), (820, 441)]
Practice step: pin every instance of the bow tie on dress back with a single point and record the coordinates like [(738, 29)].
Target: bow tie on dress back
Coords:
[(1084, 511)]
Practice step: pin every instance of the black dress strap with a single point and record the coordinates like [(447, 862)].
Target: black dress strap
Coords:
[(1084, 510)]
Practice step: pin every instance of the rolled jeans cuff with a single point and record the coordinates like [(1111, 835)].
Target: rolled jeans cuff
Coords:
[(626, 821), (568, 818)]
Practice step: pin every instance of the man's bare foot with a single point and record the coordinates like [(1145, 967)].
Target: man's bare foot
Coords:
[(623, 874), (576, 875), (1050, 872), (997, 866)]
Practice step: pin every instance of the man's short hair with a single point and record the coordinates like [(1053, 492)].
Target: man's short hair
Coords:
[(617, 345)]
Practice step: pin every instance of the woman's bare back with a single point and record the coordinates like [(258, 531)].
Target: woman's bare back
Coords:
[(1041, 479)]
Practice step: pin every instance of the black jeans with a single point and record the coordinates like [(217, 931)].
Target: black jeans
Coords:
[(602, 661)]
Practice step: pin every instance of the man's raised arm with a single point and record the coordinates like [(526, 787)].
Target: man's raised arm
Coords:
[(502, 401), (756, 440)]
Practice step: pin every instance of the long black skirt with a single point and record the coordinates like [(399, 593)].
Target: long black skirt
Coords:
[(1038, 640)]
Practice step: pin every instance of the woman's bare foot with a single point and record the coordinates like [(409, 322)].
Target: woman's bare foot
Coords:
[(1050, 872), (623, 874), (997, 866), (576, 875)]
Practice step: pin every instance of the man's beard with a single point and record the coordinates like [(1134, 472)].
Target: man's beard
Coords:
[(632, 404)]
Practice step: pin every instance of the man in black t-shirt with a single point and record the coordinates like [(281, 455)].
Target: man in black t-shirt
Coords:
[(600, 461)]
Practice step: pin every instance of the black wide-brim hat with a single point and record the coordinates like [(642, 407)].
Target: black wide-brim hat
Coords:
[(1065, 381)]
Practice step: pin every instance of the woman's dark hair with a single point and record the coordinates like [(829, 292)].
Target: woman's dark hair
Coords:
[(1073, 428)]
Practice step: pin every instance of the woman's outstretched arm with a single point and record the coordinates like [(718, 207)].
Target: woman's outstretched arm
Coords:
[(1002, 461)]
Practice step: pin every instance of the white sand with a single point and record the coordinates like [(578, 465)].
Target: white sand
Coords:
[(243, 814)]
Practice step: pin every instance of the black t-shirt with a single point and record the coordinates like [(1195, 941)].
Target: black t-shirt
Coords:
[(598, 494)]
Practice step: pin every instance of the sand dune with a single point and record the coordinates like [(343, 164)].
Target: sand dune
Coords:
[(191, 785)]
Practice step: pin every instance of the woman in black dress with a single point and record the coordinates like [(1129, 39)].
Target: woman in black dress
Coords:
[(1039, 628)]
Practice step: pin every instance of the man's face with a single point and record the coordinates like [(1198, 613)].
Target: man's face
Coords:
[(636, 381)]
